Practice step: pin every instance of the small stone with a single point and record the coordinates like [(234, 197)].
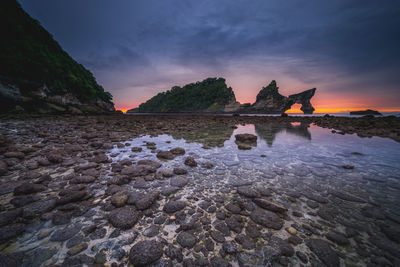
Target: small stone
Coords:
[(77, 249), (268, 205), (174, 206), (189, 161), (178, 151), (180, 171), (165, 155), (292, 231), (229, 247), (186, 239)]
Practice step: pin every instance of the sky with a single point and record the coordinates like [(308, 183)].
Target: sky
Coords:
[(348, 49)]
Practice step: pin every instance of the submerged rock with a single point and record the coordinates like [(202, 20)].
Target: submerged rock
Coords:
[(267, 218), (324, 252), (145, 252), (123, 218)]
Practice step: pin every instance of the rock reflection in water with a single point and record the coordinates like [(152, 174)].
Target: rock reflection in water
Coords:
[(208, 137), (268, 131)]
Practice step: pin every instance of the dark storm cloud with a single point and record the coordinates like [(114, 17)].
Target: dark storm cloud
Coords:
[(142, 47)]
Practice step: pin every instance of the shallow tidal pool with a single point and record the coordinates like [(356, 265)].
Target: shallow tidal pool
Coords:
[(299, 196)]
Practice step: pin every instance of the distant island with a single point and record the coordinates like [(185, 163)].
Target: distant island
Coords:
[(365, 112), (212, 95), (37, 75)]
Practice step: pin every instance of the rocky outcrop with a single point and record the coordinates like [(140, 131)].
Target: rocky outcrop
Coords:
[(212, 95), (269, 100), (40, 99)]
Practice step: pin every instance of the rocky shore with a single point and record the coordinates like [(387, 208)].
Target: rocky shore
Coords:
[(67, 200)]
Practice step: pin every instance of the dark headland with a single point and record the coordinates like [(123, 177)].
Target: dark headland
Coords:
[(83, 185)]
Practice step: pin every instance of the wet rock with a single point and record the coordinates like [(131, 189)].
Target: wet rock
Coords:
[(38, 256), (61, 217), (138, 170), (174, 252), (10, 231), (55, 157), (151, 231), (84, 179), (125, 162), (391, 232), (64, 234), (72, 196), (347, 197), (267, 218), (99, 233), (268, 205), (123, 218), (29, 188), (223, 228), (303, 257), (166, 191), (77, 249), (312, 204), (178, 151), (245, 241), (180, 171), (338, 238), (229, 247), (252, 230), (38, 208), (248, 191), (372, 212), (295, 240), (324, 252), (167, 173), (234, 224), (119, 199), (189, 161), (219, 262), (145, 252), (146, 200), (148, 162), (14, 154), (283, 246), (101, 158), (3, 168), (217, 236), (136, 149), (179, 181), (165, 155), (7, 217), (315, 197), (186, 239), (233, 208), (174, 206)]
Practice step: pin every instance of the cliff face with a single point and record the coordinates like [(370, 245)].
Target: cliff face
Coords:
[(36, 74), (209, 95)]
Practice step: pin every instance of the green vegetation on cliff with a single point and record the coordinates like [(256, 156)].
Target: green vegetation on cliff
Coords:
[(211, 94), (29, 55)]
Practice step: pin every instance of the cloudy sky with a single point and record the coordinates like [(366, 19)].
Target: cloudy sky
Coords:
[(347, 49)]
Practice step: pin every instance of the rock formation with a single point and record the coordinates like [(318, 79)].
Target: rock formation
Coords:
[(37, 75), (269, 100), (213, 95)]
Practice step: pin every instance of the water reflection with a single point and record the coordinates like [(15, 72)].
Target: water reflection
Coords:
[(268, 131), (355, 211), (216, 136)]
